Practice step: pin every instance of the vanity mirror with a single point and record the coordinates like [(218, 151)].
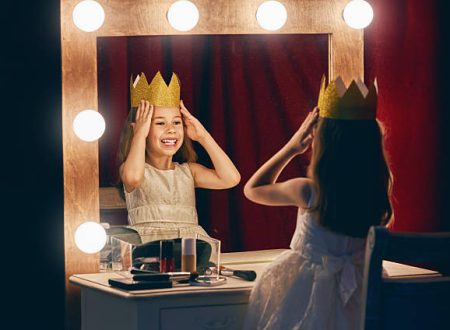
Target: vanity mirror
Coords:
[(249, 91), (148, 18)]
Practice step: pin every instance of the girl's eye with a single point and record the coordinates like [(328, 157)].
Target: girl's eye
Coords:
[(178, 122), (159, 123)]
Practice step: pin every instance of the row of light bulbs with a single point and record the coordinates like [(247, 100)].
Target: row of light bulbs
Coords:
[(183, 15), (89, 125)]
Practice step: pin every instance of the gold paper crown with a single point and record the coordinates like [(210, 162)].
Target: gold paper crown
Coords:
[(357, 102), (158, 93)]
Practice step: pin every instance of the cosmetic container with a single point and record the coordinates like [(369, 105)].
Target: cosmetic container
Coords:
[(105, 253), (166, 260), (188, 255)]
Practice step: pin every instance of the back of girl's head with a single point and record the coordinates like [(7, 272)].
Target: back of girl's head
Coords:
[(352, 178)]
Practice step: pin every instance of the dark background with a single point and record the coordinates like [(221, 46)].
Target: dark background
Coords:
[(32, 174), (406, 48)]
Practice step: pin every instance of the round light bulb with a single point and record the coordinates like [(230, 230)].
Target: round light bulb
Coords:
[(183, 15), (358, 14), (90, 237), (88, 15), (89, 125), (271, 15)]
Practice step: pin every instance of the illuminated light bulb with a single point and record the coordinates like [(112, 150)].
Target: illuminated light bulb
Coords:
[(90, 237), (358, 14), (271, 15), (89, 125), (88, 15), (183, 15)]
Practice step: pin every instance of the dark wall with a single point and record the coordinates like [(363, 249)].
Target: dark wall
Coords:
[(33, 238)]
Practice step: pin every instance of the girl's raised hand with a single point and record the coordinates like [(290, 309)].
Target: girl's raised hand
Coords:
[(143, 119), (194, 129), (303, 137)]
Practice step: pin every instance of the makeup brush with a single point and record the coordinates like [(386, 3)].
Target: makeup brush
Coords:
[(248, 275)]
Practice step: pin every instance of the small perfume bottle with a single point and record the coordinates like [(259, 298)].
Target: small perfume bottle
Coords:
[(166, 260), (188, 255)]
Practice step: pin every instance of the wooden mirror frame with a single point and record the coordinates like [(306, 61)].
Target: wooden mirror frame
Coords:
[(148, 17)]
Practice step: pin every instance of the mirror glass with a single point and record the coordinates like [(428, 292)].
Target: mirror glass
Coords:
[(250, 92)]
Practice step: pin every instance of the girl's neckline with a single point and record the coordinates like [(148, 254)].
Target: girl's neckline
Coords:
[(168, 170)]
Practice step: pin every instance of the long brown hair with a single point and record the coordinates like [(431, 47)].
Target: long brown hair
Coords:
[(351, 176), (186, 153)]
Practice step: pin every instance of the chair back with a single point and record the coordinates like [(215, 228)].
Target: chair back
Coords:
[(408, 302)]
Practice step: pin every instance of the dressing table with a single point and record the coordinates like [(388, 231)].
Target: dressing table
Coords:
[(185, 307)]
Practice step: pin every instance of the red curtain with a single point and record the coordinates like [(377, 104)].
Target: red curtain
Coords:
[(253, 104), (401, 51)]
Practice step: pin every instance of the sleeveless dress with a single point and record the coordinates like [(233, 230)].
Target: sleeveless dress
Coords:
[(315, 285), (163, 206)]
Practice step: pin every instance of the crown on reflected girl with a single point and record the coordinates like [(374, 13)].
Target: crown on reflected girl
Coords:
[(157, 92), (357, 102)]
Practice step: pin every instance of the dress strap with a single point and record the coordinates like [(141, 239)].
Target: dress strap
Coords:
[(311, 198)]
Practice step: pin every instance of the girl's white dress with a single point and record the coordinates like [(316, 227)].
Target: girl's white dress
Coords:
[(315, 285), (163, 206)]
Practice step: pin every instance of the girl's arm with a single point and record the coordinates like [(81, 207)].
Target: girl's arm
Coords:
[(261, 187), (224, 174), (132, 169)]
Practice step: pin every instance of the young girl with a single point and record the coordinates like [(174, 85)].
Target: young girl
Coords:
[(317, 283), (158, 167)]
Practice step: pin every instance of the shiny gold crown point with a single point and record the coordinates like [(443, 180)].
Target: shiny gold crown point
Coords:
[(158, 93)]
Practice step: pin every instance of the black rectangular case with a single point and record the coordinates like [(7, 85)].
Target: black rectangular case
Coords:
[(129, 284)]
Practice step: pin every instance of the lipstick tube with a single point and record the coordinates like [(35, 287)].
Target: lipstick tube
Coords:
[(166, 260)]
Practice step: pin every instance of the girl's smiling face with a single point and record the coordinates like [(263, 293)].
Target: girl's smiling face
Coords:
[(166, 132)]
